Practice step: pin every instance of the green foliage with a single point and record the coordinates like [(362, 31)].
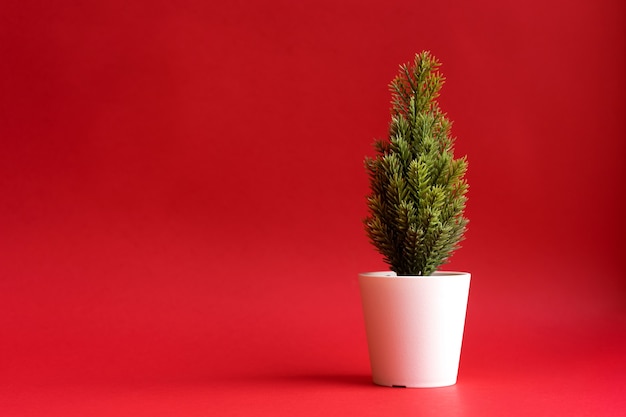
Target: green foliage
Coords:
[(418, 190)]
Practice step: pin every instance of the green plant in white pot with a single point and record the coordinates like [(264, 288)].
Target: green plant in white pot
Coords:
[(415, 314)]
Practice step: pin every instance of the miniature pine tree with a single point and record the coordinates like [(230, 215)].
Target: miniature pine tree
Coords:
[(418, 191)]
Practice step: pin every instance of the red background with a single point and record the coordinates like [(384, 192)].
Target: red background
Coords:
[(182, 188)]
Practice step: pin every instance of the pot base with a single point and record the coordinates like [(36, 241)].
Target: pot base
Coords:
[(441, 384)]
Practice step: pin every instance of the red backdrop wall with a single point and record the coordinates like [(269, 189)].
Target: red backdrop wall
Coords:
[(182, 183)]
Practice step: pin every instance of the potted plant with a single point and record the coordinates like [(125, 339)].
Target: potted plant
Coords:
[(415, 314)]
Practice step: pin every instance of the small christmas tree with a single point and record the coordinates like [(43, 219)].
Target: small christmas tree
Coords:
[(418, 190)]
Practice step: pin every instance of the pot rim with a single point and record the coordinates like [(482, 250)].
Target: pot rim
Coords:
[(435, 275)]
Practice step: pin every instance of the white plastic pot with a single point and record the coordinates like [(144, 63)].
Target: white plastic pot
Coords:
[(414, 327)]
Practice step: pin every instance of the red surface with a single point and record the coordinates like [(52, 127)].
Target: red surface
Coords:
[(181, 188)]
